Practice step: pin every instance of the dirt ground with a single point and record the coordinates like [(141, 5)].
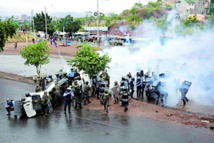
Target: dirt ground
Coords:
[(135, 108)]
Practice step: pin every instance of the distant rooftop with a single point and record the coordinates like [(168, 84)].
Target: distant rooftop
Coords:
[(190, 1)]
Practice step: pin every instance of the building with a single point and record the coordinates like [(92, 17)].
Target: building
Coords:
[(201, 6), (188, 7)]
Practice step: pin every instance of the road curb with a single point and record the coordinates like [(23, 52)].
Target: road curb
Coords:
[(16, 77)]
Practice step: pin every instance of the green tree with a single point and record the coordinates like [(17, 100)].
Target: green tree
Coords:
[(88, 60), (7, 29), (190, 21), (36, 55), (39, 22), (70, 25)]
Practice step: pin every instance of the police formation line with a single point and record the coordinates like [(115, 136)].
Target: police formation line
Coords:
[(76, 91)]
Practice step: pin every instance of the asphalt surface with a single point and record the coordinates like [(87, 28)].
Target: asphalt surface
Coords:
[(88, 126), (15, 64)]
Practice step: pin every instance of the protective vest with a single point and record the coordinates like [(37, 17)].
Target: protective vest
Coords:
[(86, 88), (106, 95), (68, 96), (71, 74), (77, 92)]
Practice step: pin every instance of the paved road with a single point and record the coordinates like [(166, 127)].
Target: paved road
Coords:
[(15, 64), (85, 126)]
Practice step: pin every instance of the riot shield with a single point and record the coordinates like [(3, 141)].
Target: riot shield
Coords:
[(18, 109), (36, 100), (28, 107)]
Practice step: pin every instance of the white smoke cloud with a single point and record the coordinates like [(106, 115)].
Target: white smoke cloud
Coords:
[(185, 58)]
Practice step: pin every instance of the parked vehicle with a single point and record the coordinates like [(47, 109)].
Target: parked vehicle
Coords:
[(89, 39)]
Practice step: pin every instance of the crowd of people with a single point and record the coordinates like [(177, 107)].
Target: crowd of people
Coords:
[(77, 91)]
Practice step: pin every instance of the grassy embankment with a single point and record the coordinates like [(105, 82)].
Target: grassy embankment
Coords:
[(20, 37)]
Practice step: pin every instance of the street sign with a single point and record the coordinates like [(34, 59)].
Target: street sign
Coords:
[(211, 7)]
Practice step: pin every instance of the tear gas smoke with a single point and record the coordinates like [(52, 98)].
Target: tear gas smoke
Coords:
[(183, 58)]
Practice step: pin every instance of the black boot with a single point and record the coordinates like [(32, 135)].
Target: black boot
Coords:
[(186, 99), (184, 102)]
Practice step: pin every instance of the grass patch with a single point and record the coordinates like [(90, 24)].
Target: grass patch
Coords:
[(20, 37)]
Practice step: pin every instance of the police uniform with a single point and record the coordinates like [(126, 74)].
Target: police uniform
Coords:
[(106, 100), (125, 97), (67, 99), (44, 103), (78, 96), (9, 106), (86, 89)]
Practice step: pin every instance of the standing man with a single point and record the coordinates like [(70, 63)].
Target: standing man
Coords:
[(67, 100), (115, 92), (94, 85), (71, 76), (106, 99), (131, 84), (77, 95), (15, 45), (9, 106), (44, 103), (86, 89), (125, 98), (139, 86)]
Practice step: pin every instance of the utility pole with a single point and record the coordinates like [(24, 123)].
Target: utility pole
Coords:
[(98, 14), (45, 23), (33, 26)]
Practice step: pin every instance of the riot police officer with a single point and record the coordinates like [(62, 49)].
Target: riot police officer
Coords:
[(86, 90), (131, 86), (67, 100), (71, 76), (106, 99), (105, 77), (94, 84), (101, 91), (184, 89), (125, 96), (77, 75), (77, 95), (115, 92), (139, 86), (9, 106)]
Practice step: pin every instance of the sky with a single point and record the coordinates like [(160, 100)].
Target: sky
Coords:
[(20, 6)]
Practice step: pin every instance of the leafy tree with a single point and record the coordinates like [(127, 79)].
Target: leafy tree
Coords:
[(88, 60), (138, 5), (7, 29), (25, 26), (36, 55), (70, 25), (39, 22), (190, 21)]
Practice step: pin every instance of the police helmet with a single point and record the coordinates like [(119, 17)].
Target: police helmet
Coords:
[(115, 83), (61, 69), (106, 90), (27, 94), (69, 89), (23, 99), (124, 88), (123, 78)]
